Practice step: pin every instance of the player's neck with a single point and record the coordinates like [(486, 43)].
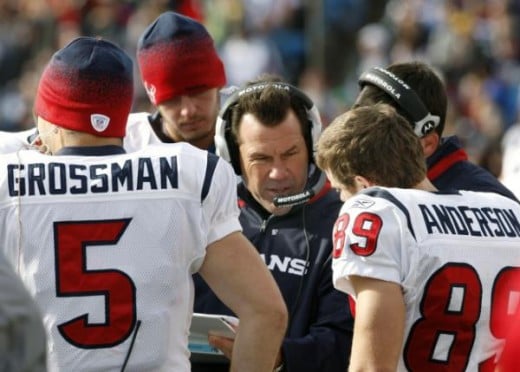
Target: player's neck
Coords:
[(77, 139), (204, 142), (425, 185)]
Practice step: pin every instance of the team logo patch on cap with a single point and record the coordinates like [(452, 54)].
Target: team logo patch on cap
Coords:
[(99, 122), (151, 90)]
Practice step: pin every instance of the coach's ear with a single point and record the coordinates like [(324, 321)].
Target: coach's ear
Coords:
[(429, 143)]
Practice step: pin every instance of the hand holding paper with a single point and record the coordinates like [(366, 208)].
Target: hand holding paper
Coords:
[(204, 325)]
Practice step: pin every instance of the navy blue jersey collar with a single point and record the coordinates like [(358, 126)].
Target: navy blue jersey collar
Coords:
[(448, 191), (92, 150)]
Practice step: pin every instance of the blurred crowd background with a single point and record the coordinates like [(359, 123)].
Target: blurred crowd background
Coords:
[(319, 45)]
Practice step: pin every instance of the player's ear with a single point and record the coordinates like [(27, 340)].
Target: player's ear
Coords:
[(429, 143), (361, 182)]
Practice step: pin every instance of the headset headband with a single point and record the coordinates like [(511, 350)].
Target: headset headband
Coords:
[(404, 96)]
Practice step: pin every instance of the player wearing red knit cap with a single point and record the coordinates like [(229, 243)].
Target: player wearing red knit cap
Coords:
[(182, 75), (87, 87), (86, 90)]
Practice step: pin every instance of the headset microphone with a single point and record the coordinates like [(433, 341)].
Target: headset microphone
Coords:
[(306, 195)]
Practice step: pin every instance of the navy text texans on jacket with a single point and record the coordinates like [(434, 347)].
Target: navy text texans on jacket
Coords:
[(297, 248)]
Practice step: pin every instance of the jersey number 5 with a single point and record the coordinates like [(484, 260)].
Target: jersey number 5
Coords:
[(73, 279)]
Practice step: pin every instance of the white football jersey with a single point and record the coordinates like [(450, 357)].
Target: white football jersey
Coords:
[(453, 255), (107, 245), (139, 134), (14, 141)]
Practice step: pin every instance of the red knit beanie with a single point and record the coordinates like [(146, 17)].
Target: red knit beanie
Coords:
[(88, 87), (176, 56)]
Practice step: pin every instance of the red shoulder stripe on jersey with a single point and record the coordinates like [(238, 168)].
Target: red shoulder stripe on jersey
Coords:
[(445, 163), (325, 189)]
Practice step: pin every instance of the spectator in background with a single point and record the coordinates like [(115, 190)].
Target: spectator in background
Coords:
[(417, 93), (423, 273), (113, 281), (22, 336), (182, 74), (247, 55), (267, 131), (190, 8), (510, 172), (491, 157)]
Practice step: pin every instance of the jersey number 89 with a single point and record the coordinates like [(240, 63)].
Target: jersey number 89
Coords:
[(450, 307)]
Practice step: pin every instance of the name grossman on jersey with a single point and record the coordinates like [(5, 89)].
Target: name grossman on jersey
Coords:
[(52, 178), (465, 220)]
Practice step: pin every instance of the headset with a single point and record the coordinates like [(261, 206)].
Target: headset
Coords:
[(404, 96), (227, 148)]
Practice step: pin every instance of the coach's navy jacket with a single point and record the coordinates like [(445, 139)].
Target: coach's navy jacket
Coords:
[(449, 168), (320, 323)]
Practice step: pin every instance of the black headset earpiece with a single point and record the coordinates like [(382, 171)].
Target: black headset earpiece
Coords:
[(225, 144), (404, 96)]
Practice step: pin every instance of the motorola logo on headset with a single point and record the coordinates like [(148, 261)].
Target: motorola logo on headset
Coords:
[(427, 127), (376, 80), (261, 86), (393, 76), (404, 96), (227, 148)]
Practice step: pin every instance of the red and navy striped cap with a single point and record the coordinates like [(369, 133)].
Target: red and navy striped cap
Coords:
[(177, 56), (88, 87)]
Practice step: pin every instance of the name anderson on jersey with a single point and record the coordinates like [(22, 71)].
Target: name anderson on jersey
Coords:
[(62, 178), (464, 220)]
